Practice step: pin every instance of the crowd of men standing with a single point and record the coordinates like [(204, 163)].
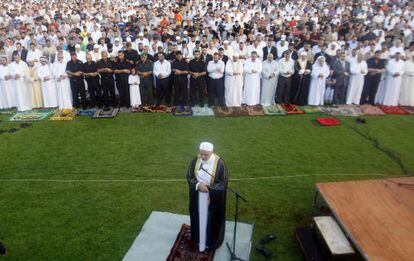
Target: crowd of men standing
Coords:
[(260, 56)]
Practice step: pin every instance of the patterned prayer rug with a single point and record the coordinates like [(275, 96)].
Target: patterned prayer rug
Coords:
[(32, 115), (371, 110), (102, 114), (329, 121), (392, 109), (184, 249), (223, 111), (342, 110), (86, 112), (292, 109), (182, 111), (63, 115), (8, 111), (202, 111), (239, 111), (161, 109), (143, 108), (255, 110), (274, 110), (409, 109), (310, 109)]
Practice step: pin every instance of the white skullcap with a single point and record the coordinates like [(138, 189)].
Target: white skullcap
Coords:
[(77, 45), (283, 37), (178, 38), (128, 39), (236, 55), (116, 39), (141, 34), (207, 146), (95, 46), (303, 53), (225, 42)]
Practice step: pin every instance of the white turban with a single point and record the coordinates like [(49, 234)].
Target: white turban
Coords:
[(207, 146)]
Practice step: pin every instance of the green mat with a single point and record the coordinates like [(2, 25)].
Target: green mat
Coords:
[(33, 115), (274, 110), (310, 109)]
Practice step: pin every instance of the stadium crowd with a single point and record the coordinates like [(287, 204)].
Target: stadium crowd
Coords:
[(113, 53)]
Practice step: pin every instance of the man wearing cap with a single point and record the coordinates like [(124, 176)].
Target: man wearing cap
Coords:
[(144, 70), (105, 70), (207, 179), (122, 71), (179, 68), (197, 69), (74, 69)]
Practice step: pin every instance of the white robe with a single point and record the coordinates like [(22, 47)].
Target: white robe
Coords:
[(63, 93), (251, 94), (48, 87), (407, 86), (318, 84), (22, 89), (233, 84), (379, 97), (269, 83), (204, 199), (134, 91), (356, 82), (7, 90), (393, 84)]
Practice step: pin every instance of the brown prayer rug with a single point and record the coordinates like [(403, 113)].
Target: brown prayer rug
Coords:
[(240, 111), (255, 110), (409, 109), (368, 109), (223, 111), (184, 249)]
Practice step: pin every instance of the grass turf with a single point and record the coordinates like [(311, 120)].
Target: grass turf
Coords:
[(98, 220)]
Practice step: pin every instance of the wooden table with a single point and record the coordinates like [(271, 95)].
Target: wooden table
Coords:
[(377, 215)]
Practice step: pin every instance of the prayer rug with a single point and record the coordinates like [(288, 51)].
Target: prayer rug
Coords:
[(310, 109), (86, 112), (409, 109), (371, 110), (64, 115), (292, 109), (223, 111), (102, 114), (239, 111), (182, 111), (161, 109), (8, 111), (255, 110), (32, 115), (392, 109), (329, 121), (143, 108), (184, 249), (274, 110), (342, 110), (202, 111)]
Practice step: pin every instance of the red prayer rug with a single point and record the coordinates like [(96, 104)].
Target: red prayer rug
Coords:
[(329, 121), (292, 109), (184, 249), (392, 109), (409, 109)]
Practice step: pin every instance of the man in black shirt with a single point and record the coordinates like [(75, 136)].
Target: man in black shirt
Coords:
[(179, 67), (90, 72), (198, 70), (74, 69), (376, 66), (122, 71), (131, 55), (105, 70), (144, 70)]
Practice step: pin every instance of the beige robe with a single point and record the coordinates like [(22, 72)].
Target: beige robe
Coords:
[(35, 91)]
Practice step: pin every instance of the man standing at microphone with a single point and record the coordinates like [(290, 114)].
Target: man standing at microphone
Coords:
[(207, 179)]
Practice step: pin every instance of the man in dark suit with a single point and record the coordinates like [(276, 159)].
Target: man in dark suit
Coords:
[(341, 74), (20, 51), (269, 48)]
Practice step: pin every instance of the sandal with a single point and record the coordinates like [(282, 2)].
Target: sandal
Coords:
[(266, 239), (264, 251)]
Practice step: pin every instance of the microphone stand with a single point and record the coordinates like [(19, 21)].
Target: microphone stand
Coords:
[(232, 250)]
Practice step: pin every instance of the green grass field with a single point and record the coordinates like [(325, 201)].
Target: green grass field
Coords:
[(119, 170)]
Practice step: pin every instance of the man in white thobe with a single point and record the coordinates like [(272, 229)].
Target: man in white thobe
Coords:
[(270, 74), (8, 92), (62, 83), (207, 179), (252, 70), (358, 70), (233, 82), (319, 74), (47, 84), (18, 69), (395, 69)]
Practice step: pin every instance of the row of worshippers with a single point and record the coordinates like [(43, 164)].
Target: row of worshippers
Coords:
[(233, 83)]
